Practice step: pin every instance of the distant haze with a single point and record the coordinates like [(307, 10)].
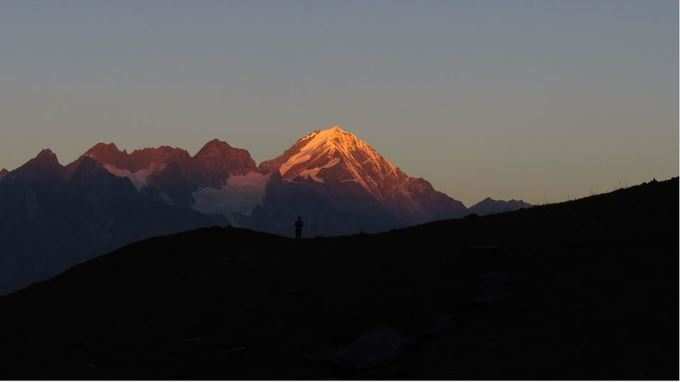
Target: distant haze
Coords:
[(533, 100)]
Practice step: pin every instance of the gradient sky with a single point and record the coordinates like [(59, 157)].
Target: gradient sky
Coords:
[(538, 100)]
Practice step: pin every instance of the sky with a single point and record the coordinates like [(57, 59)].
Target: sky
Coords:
[(536, 100)]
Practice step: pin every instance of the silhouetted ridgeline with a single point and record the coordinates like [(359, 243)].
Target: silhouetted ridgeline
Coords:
[(582, 289)]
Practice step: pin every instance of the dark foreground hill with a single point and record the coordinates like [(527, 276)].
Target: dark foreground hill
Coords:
[(583, 289)]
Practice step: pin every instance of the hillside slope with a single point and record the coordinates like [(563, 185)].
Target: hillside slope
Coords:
[(582, 289)]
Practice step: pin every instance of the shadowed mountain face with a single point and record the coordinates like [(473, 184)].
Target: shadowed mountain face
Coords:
[(490, 206), (55, 217), (577, 290)]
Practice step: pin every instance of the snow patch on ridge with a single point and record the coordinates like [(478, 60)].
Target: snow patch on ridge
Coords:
[(296, 159), (313, 173), (138, 178), (240, 195)]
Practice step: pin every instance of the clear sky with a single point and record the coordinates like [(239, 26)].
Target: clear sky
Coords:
[(539, 100)]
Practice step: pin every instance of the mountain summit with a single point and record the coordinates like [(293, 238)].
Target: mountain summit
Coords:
[(43, 168), (218, 160), (335, 155)]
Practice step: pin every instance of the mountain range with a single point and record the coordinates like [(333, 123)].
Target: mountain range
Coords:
[(336, 181), (108, 197), (490, 206)]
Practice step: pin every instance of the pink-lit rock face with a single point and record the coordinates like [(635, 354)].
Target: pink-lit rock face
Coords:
[(217, 160), (174, 172), (137, 160), (335, 155)]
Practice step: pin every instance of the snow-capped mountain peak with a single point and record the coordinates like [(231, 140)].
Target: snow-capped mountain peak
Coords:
[(335, 155)]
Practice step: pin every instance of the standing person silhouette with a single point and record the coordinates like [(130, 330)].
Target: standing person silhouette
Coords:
[(298, 227)]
